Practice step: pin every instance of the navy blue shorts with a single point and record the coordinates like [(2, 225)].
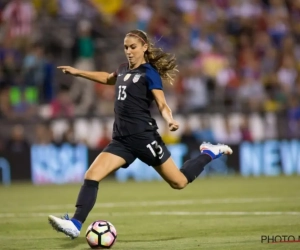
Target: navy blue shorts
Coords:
[(146, 146)]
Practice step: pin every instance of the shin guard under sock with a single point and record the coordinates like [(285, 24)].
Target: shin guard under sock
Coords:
[(86, 199), (192, 168)]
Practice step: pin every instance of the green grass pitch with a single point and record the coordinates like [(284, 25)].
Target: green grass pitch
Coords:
[(212, 213)]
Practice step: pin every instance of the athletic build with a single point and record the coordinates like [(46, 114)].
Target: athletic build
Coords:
[(137, 84)]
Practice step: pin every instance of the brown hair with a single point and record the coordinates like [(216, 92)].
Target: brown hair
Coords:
[(164, 63)]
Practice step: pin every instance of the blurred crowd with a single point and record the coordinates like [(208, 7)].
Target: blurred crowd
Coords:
[(20, 137), (233, 55)]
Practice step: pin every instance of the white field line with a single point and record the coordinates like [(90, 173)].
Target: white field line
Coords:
[(175, 213), (166, 203)]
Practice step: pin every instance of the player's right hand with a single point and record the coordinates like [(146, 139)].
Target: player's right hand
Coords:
[(69, 70)]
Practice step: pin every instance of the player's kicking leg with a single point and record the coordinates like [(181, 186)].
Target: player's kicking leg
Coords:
[(191, 169)]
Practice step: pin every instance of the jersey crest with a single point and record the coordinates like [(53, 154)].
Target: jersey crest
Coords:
[(136, 78), (127, 77)]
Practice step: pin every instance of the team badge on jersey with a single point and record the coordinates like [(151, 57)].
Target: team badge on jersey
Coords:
[(136, 78), (127, 77)]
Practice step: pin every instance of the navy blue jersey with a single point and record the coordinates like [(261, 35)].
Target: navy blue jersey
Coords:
[(133, 99)]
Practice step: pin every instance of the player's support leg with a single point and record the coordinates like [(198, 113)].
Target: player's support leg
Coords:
[(103, 165), (191, 169), (65, 225)]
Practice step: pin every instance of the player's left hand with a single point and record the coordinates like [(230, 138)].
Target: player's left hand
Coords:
[(173, 125)]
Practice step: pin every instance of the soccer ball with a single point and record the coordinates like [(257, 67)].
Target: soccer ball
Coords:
[(101, 234)]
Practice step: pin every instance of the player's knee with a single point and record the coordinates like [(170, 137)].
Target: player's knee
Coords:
[(99, 171), (94, 174), (178, 185), (90, 174)]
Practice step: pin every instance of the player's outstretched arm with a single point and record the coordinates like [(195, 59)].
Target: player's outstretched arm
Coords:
[(100, 77), (164, 109)]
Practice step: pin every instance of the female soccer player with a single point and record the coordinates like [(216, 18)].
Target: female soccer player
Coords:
[(137, 84)]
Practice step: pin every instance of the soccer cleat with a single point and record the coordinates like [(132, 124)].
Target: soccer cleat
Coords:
[(65, 225), (215, 151)]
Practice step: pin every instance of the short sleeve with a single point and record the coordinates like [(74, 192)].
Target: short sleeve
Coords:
[(153, 79)]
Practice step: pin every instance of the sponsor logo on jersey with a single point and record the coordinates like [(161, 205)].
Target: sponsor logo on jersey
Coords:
[(127, 77), (136, 78)]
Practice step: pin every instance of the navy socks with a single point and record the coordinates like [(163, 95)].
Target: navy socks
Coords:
[(192, 168), (86, 200)]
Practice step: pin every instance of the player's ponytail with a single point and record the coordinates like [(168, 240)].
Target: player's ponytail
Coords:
[(164, 63)]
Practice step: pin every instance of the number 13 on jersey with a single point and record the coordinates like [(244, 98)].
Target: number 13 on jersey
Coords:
[(122, 93)]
